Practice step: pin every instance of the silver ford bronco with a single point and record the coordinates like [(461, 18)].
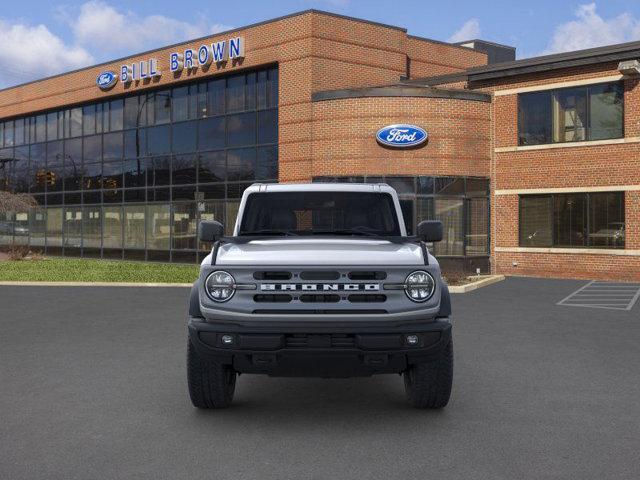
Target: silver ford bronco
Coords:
[(320, 280)]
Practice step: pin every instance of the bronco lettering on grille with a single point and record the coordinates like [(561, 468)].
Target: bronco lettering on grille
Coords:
[(320, 287)]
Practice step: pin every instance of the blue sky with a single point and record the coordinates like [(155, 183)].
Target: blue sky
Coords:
[(43, 37)]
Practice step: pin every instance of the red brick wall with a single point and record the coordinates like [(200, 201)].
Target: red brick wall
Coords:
[(565, 167), (429, 58), (344, 137)]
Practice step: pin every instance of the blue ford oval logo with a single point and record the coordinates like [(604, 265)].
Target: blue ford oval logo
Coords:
[(401, 136), (106, 80)]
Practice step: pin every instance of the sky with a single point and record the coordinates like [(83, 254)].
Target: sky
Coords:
[(39, 38)]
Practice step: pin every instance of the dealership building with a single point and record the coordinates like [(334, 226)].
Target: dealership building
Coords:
[(532, 165)]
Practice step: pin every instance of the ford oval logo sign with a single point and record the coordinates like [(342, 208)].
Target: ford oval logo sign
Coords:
[(401, 136), (106, 80)]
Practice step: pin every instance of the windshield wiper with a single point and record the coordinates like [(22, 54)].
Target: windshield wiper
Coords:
[(268, 231)]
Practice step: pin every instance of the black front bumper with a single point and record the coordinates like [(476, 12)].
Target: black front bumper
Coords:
[(327, 351)]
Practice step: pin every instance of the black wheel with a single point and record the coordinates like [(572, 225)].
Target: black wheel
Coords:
[(428, 384), (211, 384)]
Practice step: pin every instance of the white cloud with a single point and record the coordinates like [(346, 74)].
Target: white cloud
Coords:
[(97, 32), (28, 52), (469, 31), (104, 29), (591, 30)]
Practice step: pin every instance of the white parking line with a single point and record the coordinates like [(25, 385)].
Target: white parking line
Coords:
[(595, 294)]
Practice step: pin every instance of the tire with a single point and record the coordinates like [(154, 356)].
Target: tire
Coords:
[(428, 384), (211, 384)]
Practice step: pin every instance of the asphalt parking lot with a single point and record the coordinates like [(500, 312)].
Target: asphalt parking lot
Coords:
[(93, 385)]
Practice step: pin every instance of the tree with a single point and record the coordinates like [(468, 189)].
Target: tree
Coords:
[(16, 202)]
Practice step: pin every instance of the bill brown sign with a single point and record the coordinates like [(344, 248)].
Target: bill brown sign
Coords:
[(189, 59)]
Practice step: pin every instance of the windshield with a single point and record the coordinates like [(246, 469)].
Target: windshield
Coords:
[(320, 213)]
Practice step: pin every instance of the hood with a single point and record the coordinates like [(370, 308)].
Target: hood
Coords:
[(319, 252)]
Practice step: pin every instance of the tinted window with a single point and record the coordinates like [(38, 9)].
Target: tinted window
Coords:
[(309, 213)]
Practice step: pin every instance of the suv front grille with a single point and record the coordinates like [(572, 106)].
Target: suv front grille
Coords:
[(320, 341)]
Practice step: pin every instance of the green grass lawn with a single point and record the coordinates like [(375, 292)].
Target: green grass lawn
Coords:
[(84, 270)]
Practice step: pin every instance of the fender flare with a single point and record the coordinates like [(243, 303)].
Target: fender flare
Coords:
[(194, 302), (445, 302)]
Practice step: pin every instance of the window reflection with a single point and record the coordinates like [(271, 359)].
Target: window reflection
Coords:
[(119, 178)]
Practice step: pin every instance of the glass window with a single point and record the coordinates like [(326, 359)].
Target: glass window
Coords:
[(75, 122), (185, 225), (112, 146), (451, 213), (72, 233), (536, 217), (211, 133), (111, 175), (92, 149), (130, 115), (250, 91), (135, 173), (37, 226), (212, 167), (425, 185), (158, 140), (52, 126), (158, 227), (41, 129), (570, 115), (54, 227), (112, 227), (401, 184), (477, 232), (268, 126), (261, 89), (477, 186), (570, 218), (37, 168), (162, 107), (8, 134), (89, 120), (267, 163), (573, 220), (235, 93), (606, 106), (183, 169), (592, 112), (230, 216), (241, 164), (135, 143), (73, 164), (449, 186), (272, 88), (160, 172), (184, 137), (21, 169), (180, 103), (102, 117), (19, 131), (215, 97), (92, 227), (210, 211), (116, 115), (55, 165), (134, 226), (534, 118), (241, 129), (606, 220)]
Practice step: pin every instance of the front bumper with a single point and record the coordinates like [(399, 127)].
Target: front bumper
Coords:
[(331, 350)]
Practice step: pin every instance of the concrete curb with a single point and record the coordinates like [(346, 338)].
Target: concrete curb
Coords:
[(476, 285), (93, 284)]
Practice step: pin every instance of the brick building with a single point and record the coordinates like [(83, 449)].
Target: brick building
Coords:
[(529, 164)]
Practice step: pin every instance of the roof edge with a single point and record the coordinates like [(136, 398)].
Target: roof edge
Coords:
[(400, 91)]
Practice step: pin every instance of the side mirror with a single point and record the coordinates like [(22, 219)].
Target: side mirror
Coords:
[(430, 230), (210, 231)]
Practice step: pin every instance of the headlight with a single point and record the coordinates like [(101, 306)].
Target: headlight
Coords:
[(220, 286), (419, 286)]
